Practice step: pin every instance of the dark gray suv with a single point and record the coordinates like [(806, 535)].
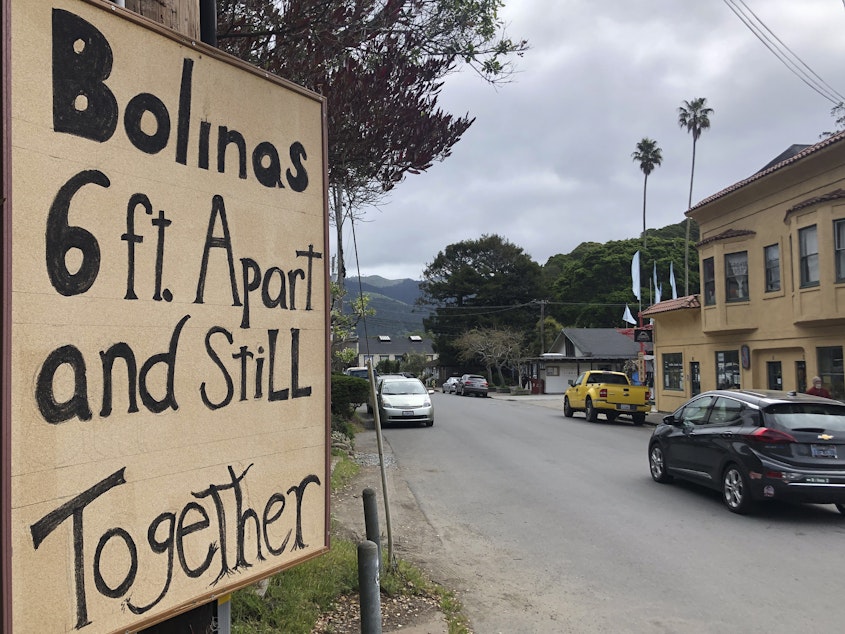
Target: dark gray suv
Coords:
[(754, 446)]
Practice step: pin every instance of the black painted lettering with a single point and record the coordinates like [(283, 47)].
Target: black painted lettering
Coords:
[(226, 376), (299, 542), (169, 360), (298, 392), (107, 357), (251, 274), (183, 121), (218, 210), (123, 587), (312, 255), (270, 516), (131, 239), (225, 138), (184, 529), (298, 182), (274, 394), (75, 508), (82, 59), (133, 122), (269, 175), (77, 405), (61, 238), (158, 546), (269, 300)]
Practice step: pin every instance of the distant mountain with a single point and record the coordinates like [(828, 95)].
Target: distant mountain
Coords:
[(394, 302)]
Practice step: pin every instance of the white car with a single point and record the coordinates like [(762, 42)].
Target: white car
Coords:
[(403, 400)]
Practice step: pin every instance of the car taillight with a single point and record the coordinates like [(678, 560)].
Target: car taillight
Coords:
[(770, 436), (603, 393)]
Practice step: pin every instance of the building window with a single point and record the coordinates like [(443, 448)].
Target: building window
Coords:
[(736, 277), (839, 248), (772, 257), (709, 276), (808, 244), (673, 369), (831, 371), (727, 369)]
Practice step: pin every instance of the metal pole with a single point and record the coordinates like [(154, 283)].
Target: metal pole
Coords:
[(377, 423), (371, 519), (224, 614), (368, 584), (208, 22)]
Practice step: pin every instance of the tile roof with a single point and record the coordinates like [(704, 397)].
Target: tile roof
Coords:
[(681, 303), (728, 233), (812, 149), (836, 194)]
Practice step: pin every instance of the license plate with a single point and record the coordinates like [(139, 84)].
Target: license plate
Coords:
[(823, 451), (407, 412), (626, 408)]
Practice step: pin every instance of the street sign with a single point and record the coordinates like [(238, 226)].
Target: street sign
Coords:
[(165, 383)]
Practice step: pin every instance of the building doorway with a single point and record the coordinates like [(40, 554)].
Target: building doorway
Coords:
[(695, 378), (774, 376), (801, 376)]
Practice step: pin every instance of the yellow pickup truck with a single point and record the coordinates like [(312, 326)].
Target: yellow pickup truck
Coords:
[(610, 393)]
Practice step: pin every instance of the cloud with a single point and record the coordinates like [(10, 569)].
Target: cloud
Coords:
[(547, 163)]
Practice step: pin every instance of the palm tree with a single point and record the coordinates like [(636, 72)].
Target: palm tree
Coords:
[(649, 157), (695, 117)]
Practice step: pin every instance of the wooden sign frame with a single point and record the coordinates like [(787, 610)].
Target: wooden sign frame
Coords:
[(165, 360)]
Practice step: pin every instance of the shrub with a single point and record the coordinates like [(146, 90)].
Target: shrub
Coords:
[(348, 392)]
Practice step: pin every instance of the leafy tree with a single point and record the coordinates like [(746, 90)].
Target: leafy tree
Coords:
[(838, 114), (343, 324), (414, 362), (380, 65), (649, 155), (484, 283), (591, 285), (695, 117), (493, 348)]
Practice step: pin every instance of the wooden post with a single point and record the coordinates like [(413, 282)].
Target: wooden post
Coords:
[(180, 15)]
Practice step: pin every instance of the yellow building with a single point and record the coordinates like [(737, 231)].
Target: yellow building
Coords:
[(771, 312)]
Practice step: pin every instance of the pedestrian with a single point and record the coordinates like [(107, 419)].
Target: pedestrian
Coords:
[(818, 389)]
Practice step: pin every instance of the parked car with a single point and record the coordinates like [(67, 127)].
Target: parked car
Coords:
[(404, 400), (450, 385), (754, 446), (474, 384), (608, 393), (362, 372)]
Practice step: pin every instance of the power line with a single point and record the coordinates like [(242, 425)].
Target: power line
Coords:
[(780, 50)]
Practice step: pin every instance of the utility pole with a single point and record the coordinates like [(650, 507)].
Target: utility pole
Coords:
[(542, 303)]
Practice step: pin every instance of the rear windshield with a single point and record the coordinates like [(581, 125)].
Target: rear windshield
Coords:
[(613, 379), (361, 374), (807, 416)]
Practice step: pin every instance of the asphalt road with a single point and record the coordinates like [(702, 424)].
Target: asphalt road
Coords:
[(546, 524)]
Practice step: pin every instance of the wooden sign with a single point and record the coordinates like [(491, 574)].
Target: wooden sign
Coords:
[(165, 365)]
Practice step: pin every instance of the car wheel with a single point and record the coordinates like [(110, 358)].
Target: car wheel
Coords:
[(639, 419), (657, 464), (736, 494), (611, 416), (590, 411), (567, 408), (841, 508)]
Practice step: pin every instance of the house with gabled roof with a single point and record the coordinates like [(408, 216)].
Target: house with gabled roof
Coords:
[(576, 350)]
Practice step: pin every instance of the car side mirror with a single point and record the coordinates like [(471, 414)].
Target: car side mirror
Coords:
[(670, 419), (571, 383)]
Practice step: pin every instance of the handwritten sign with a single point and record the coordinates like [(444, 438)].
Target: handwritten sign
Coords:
[(168, 406)]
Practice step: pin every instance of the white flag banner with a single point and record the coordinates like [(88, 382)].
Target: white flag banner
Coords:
[(635, 274), (658, 292), (628, 317), (672, 280)]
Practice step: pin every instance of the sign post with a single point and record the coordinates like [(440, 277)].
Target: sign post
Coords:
[(165, 408)]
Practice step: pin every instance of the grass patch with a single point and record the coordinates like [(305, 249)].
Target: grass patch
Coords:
[(295, 598)]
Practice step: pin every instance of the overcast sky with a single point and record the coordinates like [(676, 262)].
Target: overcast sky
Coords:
[(547, 163)]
